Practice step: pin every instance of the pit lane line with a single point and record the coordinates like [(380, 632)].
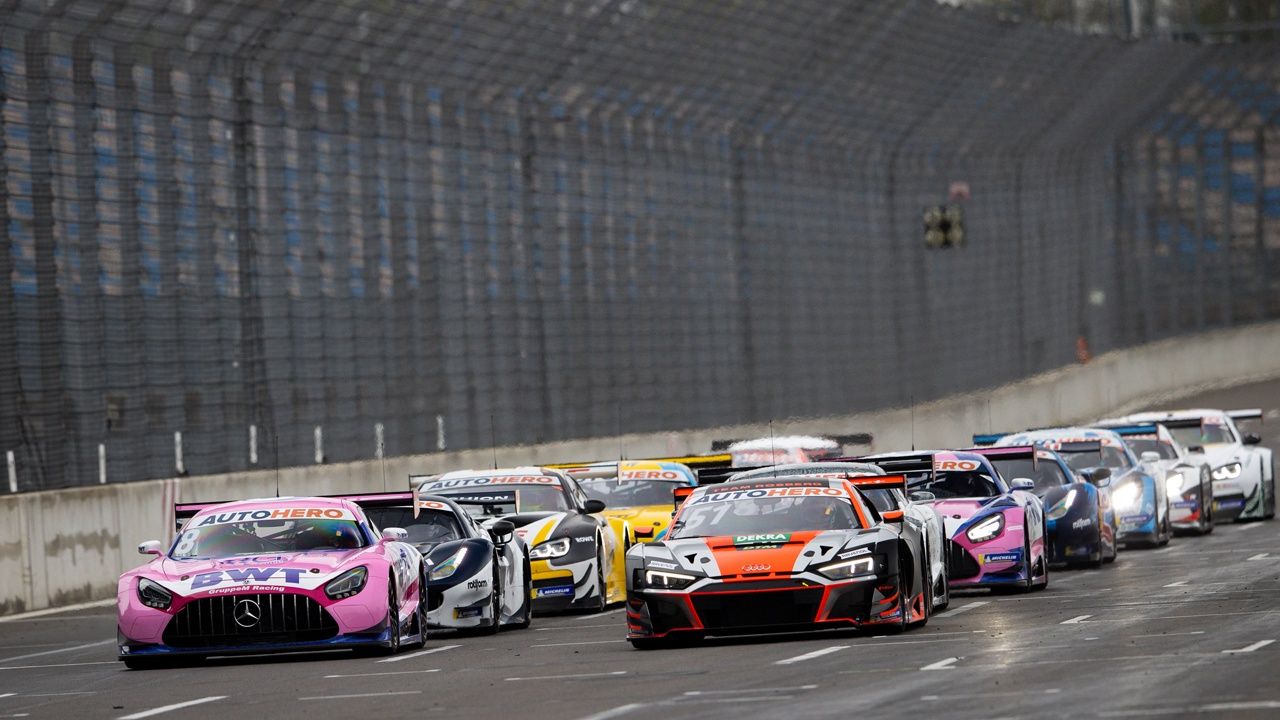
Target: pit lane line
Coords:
[(170, 708), (420, 653), (100, 643)]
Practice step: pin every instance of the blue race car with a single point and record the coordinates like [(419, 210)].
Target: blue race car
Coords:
[(1081, 523), (1139, 499)]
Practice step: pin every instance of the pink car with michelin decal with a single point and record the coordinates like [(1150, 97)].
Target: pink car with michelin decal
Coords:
[(995, 528), (267, 575)]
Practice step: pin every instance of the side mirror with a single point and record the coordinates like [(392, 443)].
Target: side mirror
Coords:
[(923, 496), (502, 531), (1252, 438), (1100, 476), (644, 531), (394, 534), (1150, 456), (1197, 449), (892, 516), (1025, 484), (594, 506), (150, 547)]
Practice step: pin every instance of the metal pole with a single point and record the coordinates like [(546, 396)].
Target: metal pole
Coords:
[(102, 463), (319, 434), (178, 464), (13, 472), (253, 444)]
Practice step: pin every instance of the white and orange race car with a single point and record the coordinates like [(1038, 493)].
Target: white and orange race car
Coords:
[(777, 554)]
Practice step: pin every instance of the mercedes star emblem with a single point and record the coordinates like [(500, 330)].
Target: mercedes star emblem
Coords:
[(247, 613)]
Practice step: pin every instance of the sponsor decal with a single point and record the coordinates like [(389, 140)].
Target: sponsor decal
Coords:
[(651, 475), (762, 539), (247, 575), (556, 591), (1083, 522), (743, 458), (461, 613), (1185, 504), (494, 497), (853, 553), (1002, 557), (1135, 519), (952, 465), (1228, 503), (663, 565), (772, 492), (482, 481), (432, 505), (297, 513), (756, 568), (585, 539), (477, 584)]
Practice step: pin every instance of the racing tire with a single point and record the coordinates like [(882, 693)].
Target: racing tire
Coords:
[(1163, 536), (420, 614), (946, 584), (526, 613), (495, 603), (393, 621), (1270, 501), (926, 583), (904, 604), (1102, 553), (1206, 514), (1044, 557), (603, 589)]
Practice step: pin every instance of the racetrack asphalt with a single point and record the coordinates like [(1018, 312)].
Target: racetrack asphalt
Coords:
[(1192, 629)]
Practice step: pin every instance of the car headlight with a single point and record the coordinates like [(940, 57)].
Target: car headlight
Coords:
[(1127, 497), (550, 549), (986, 529), (663, 580), (846, 569), (1063, 506), (154, 595), (347, 584), (1228, 471), (449, 566)]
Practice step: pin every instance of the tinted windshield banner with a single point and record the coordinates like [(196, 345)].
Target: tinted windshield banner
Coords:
[(265, 514), (772, 492), (483, 481)]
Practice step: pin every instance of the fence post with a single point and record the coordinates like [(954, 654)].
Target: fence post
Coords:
[(440, 445), (319, 433), (253, 444), (178, 464), (102, 463), (379, 449), (13, 472)]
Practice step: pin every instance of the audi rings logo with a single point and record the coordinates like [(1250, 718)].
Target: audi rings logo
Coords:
[(247, 613), (756, 568)]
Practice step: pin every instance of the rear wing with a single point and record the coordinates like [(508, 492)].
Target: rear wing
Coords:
[(879, 482), (693, 462), (1132, 430), (1250, 414), (852, 439), (988, 438), (1016, 452), (917, 462)]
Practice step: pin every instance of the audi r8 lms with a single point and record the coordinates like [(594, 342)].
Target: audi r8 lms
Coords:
[(886, 498), (576, 556), (1244, 477), (278, 574), (1188, 476), (636, 491), (477, 578), (775, 554), (995, 530), (1139, 498), (1081, 524)]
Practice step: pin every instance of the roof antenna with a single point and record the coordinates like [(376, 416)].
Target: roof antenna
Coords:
[(493, 441), (913, 421)]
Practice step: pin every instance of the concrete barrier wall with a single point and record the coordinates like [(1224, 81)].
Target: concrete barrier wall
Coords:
[(67, 546)]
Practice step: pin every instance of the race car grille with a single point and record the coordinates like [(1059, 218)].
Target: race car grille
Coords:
[(262, 618), (751, 609), (962, 564)]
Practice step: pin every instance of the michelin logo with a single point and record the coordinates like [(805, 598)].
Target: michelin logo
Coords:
[(1002, 557)]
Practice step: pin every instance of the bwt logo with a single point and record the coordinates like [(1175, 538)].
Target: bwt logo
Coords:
[(477, 584), (209, 579)]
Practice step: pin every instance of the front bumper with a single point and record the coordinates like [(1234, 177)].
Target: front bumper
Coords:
[(762, 606), (986, 565), (567, 587), (1073, 540), (1140, 528)]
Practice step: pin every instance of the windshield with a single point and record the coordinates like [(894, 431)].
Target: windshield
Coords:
[(750, 516), (1140, 445), (954, 484), (882, 500), (629, 493), (1111, 457), (1046, 475), (430, 527), (1202, 435), (267, 536), (494, 500)]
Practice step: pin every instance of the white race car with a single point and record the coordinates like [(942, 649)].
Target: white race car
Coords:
[(1188, 479), (1244, 478)]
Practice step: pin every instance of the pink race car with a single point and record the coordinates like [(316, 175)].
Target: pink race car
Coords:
[(267, 575)]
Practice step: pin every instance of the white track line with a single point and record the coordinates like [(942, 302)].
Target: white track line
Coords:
[(569, 677), (1075, 620), (1193, 632), (585, 642), (1249, 648), (1180, 583), (59, 650), (1259, 556), (380, 674), (420, 653), (614, 712), (46, 667), (942, 664), (5, 695), (171, 708), (751, 690), (962, 608), (357, 695), (55, 611), (1254, 526), (812, 655)]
